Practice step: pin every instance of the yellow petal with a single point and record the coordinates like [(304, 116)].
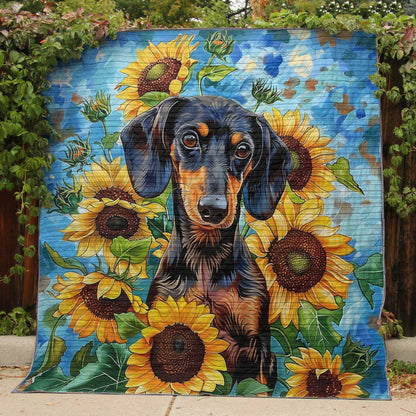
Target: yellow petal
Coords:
[(202, 322), (141, 347), (213, 375), (215, 361), (139, 360), (195, 384), (217, 346), (180, 388), (150, 332), (175, 87)]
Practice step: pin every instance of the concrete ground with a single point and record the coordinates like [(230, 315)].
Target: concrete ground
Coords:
[(16, 352)]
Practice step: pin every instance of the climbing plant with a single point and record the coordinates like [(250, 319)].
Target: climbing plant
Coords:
[(31, 43)]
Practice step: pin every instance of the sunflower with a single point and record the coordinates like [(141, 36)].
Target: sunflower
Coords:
[(179, 352), (309, 177), (163, 68), (320, 376), (111, 209), (299, 254), (92, 301)]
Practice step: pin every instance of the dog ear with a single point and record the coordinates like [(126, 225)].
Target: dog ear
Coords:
[(146, 153), (266, 182)]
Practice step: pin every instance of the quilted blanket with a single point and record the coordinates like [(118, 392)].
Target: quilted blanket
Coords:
[(217, 218)]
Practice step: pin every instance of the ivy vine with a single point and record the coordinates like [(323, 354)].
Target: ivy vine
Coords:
[(30, 46)]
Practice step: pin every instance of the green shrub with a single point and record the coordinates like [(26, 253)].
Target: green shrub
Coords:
[(390, 326), (17, 322)]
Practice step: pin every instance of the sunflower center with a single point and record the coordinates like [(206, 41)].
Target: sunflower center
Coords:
[(114, 221), (156, 72), (158, 76), (104, 308), (302, 168), (296, 159), (299, 262), (326, 385), (177, 354), (114, 193), (298, 259)]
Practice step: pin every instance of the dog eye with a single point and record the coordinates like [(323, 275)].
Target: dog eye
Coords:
[(243, 151), (190, 140)]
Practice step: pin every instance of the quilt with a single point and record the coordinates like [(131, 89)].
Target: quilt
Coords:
[(216, 226)]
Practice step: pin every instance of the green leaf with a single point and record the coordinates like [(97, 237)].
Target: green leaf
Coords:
[(128, 324), (316, 325), (341, 170), (396, 160), (14, 56), (53, 354), (153, 98), (51, 321), (109, 140), (214, 73), (365, 395), (134, 251), (370, 273), (52, 380), (287, 337), (81, 359), (357, 359), (106, 375), (293, 197), (163, 198), (224, 390), (250, 387), (160, 225), (70, 263)]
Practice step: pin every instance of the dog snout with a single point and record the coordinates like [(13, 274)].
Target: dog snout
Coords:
[(213, 208)]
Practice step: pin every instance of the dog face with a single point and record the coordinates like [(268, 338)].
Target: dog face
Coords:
[(216, 150)]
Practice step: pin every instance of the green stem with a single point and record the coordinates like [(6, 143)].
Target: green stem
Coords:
[(273, 328), (283, 382), (200, 86), (200, 80), (105, 128), (110, 156), (210, 60), (256, 106), (245, 231)]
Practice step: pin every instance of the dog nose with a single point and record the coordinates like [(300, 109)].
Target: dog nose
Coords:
[(213, 208)]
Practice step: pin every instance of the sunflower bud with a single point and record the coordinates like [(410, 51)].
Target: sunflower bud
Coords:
[(77, 153), (263, 93), (96, 109), (357, 359), (67, 198), (219, 44)]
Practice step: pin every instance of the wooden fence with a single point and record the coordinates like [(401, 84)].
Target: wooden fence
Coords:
[(22, 290), (400, 244), (400, 234)]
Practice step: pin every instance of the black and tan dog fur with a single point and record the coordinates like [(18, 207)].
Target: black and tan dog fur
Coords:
[(215, 152)]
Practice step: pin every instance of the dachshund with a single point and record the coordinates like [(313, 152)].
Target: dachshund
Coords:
[(216, 153)]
